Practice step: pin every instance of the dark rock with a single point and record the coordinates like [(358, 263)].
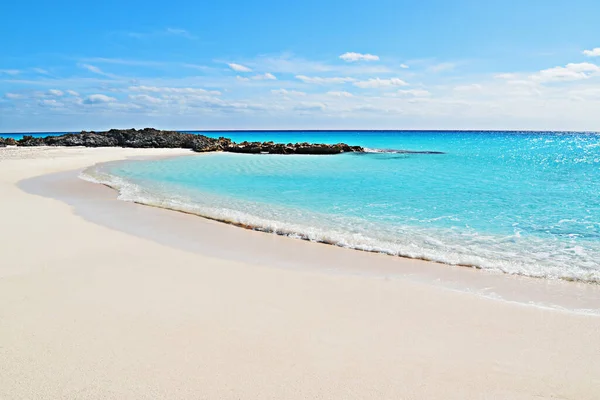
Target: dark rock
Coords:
[(10, 142), (153, 138), (298, 148), (28, 140)]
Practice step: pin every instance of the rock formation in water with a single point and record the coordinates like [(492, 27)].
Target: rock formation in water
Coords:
[(153, 138)]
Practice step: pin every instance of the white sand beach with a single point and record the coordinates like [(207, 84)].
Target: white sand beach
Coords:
[(99, 311)]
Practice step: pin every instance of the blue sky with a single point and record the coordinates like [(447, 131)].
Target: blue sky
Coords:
[(72, 65)]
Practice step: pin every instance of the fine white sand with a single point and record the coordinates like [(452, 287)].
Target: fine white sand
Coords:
[(90, 312)]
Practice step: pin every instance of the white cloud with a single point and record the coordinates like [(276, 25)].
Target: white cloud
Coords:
[(404, 66), (239, 67), (352, 57), (586, 93), (10, 71), (571, 72), (242, 78), (72, 93), (144, 98), (339, 93), (285, 92), (55, 92), (310, 106), (289, 64), (98, 99), (322, 81), (592, 53), (414, 92), (380, 83), (157, 89), (267, 76), (92, 68)]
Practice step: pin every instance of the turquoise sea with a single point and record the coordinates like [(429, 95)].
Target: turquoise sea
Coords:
[(519, 202)]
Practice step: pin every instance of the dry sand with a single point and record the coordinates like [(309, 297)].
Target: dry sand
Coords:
[(93, 311)]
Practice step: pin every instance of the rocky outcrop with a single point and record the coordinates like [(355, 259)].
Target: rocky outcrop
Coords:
[(290, 148), (7, 142), (153, 138), (10, 142), (28, 141)]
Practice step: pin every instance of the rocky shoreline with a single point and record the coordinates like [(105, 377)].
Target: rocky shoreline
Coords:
[(153, 138)]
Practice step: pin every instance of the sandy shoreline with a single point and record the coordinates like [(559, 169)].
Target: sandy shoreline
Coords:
[(96, 303)]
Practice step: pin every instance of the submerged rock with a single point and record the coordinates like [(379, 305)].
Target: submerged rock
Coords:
[(153, 138)]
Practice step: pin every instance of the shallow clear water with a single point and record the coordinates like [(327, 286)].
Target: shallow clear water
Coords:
[(524, 203)]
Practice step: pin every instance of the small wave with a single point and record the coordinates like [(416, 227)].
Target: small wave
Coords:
[(478, 251)]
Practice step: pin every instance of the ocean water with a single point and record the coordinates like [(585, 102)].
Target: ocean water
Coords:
[(18, 136), (522, 203)]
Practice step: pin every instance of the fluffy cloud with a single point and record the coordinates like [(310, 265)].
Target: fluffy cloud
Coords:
[(98, 99), (592, 53), (322, 81), (55, 92), (72, 93), (335, 93), (353, 57), (571, 72), (380, 83), (157, 89), (285, 92), (239, 67), (404, 66)]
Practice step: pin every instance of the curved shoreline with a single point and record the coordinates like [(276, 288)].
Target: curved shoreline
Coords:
[(179, 229), (300, 234), (304, 237)]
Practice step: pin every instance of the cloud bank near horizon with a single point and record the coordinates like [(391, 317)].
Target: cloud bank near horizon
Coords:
[(351, 90)]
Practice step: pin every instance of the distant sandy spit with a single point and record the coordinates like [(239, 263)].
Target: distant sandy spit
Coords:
[(92, 311)]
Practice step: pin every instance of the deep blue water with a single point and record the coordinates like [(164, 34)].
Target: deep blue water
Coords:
[(18, 136), (525, 203)]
